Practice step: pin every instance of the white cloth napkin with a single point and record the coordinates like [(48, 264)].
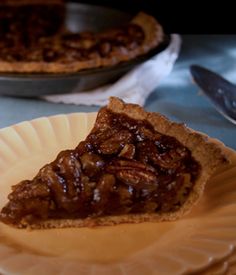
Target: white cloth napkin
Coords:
[(133, 87)]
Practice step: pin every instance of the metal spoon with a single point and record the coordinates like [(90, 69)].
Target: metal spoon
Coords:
[(220, 91)]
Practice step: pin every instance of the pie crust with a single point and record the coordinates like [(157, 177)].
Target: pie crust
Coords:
[(153, 36), (207, 154)]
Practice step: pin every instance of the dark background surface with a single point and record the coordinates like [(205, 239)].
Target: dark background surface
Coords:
[(185, 17)]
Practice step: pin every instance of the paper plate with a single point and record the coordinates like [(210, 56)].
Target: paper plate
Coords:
[(226, 266), (202, 238)]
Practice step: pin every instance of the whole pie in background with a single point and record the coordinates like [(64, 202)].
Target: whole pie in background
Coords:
[(33, 39)]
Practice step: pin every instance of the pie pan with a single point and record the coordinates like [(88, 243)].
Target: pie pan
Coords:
[(79, 17)]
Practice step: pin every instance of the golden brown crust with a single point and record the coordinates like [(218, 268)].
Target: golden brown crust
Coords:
[(153, 37), (153, 31), (208, 154), (101, 221)]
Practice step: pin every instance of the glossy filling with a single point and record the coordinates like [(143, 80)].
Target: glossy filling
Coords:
[(122, 167), (34, 33)]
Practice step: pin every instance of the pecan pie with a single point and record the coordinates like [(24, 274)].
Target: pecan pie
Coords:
[(134, 166), (33, 38)]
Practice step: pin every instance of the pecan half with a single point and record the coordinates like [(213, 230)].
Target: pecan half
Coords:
[(115, 143), (122, 164), (146, 134), (138, 178), (168, 158), (68, 166), (91, 163), (104, 48), (128, 151), (102, 192), (28, 190)]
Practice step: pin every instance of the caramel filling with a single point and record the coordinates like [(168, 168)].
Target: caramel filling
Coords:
[(34, 33), (121, 168)]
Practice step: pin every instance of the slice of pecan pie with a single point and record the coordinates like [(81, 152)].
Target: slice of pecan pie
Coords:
[(34, 39), (134, 166)]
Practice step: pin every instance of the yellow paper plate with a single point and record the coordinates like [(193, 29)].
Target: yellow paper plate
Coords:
[(204, 237), (226, 266)]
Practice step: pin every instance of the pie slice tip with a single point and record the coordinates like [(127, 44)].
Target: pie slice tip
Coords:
[(134, 166)]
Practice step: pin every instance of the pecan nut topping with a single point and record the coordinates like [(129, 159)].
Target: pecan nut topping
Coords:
[(38, 33)]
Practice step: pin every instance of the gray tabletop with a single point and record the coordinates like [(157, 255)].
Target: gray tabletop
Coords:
[(176, 97)]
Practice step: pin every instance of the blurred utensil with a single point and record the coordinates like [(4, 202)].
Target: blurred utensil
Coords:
[(220, 91)]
